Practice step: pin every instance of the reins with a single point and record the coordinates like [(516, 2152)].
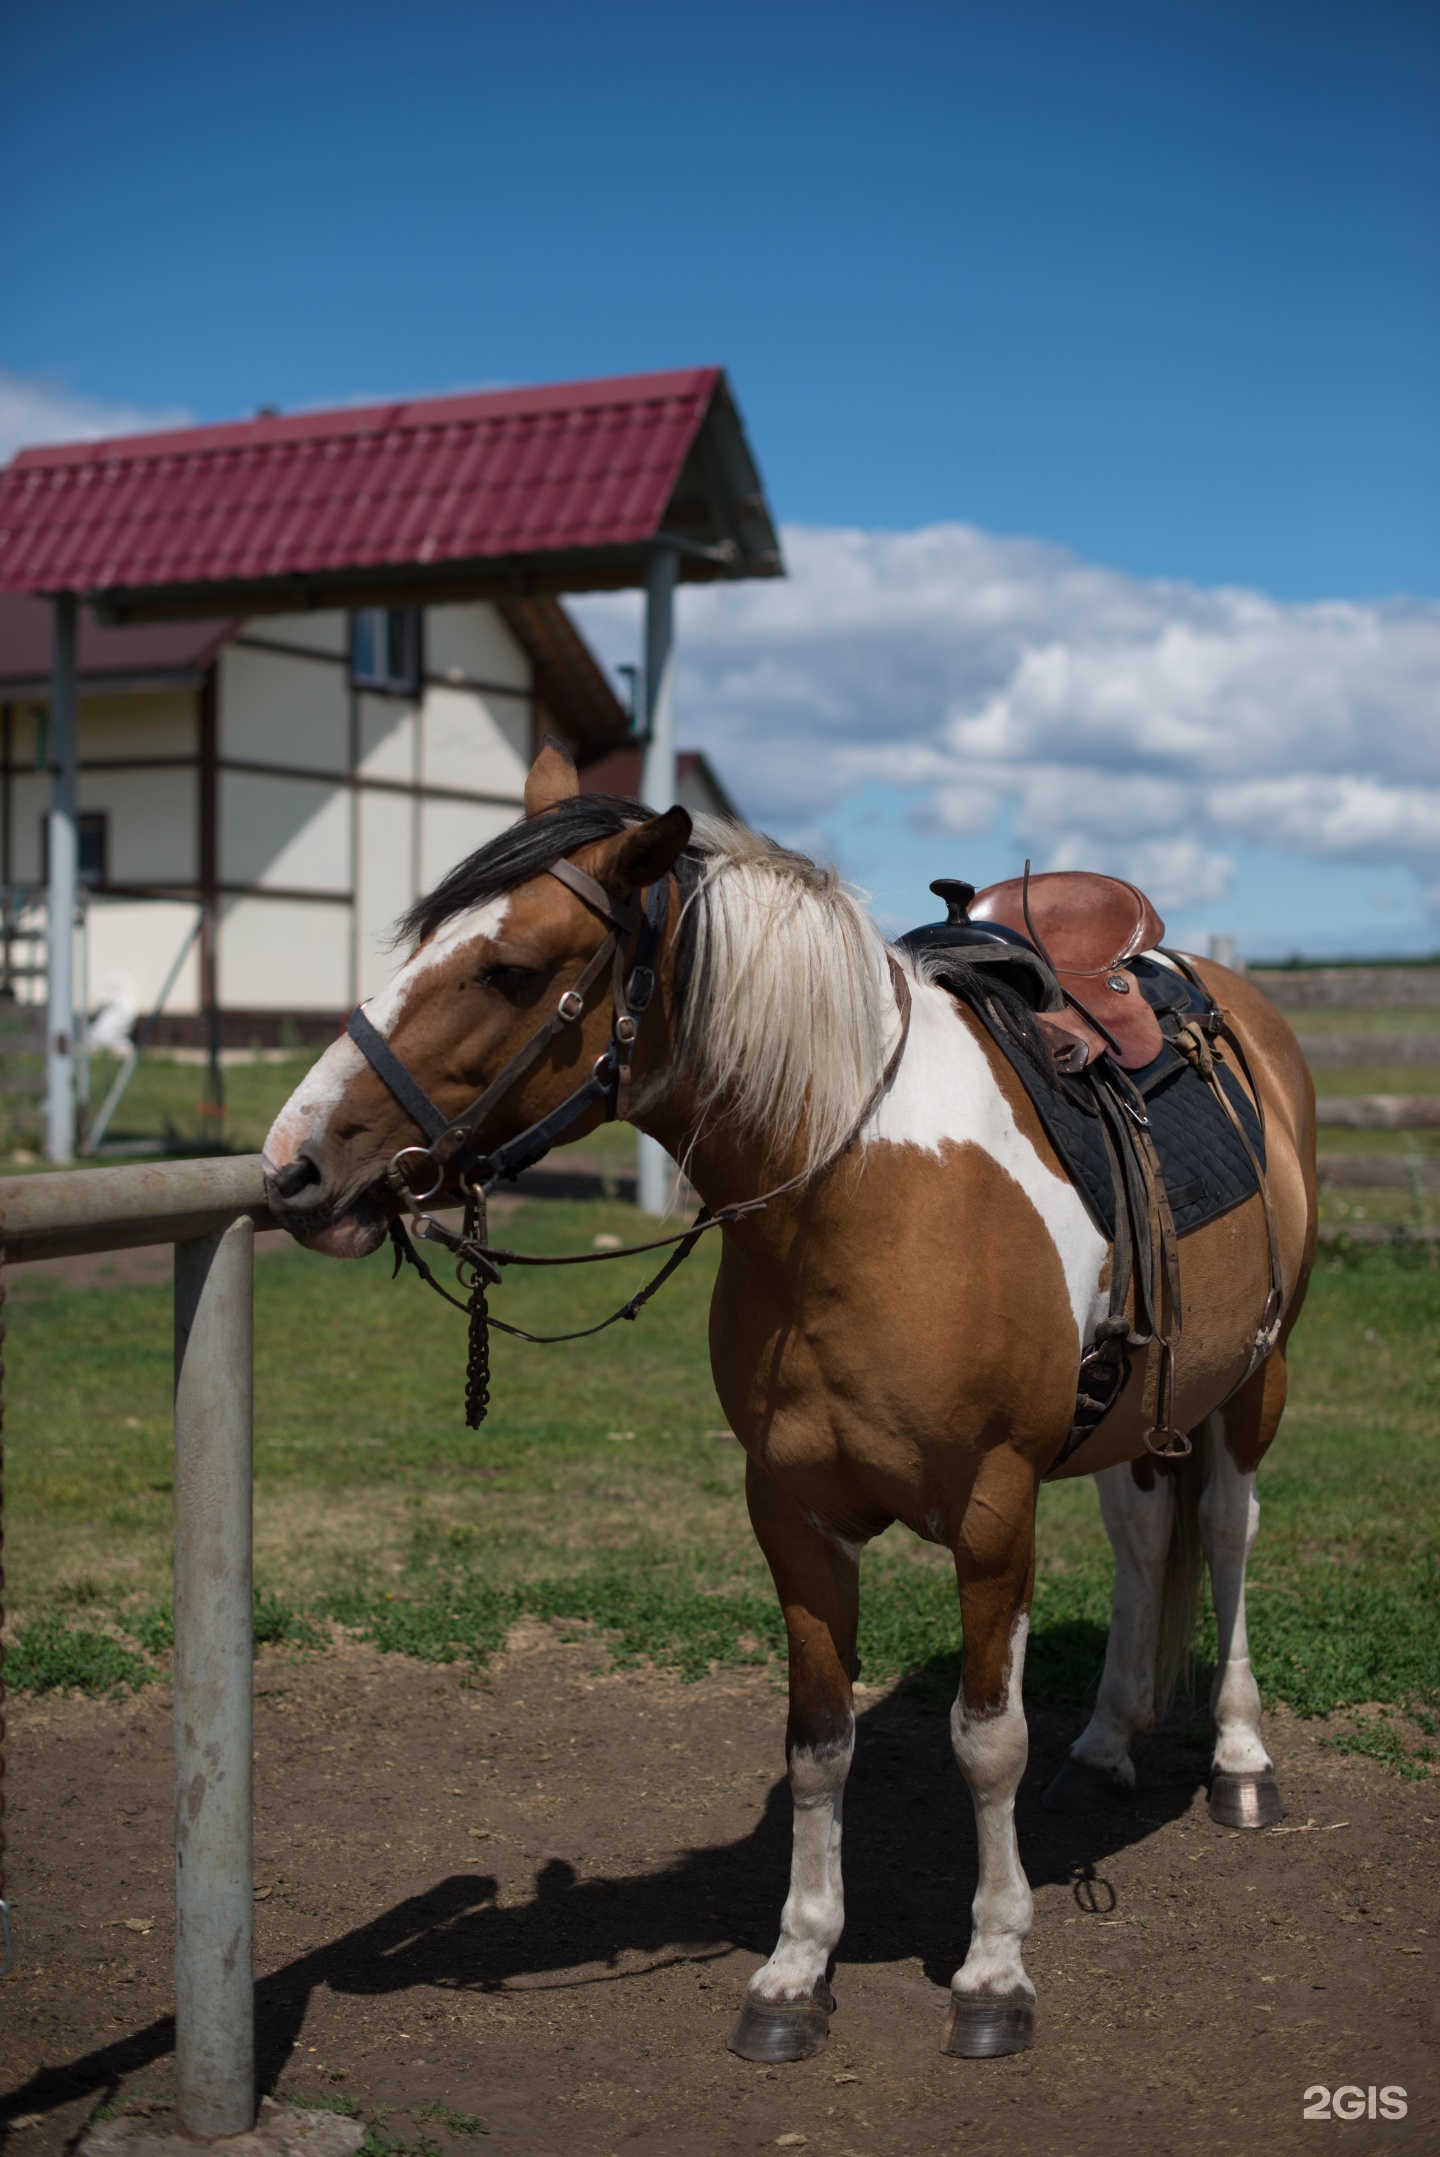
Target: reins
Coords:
[(453, 1145)]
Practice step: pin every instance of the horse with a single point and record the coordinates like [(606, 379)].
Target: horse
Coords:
[(907, 1282)]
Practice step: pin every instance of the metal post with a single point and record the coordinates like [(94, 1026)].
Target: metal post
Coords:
[(214, 1881), (657, 785), (657, 788), (60, 955)]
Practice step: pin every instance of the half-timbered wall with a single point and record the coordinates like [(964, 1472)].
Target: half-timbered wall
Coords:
[(333, 806)]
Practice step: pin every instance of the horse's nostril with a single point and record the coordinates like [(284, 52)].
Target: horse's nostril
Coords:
[(294, 1177)]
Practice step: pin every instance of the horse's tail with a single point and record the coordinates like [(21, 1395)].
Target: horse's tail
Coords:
[(1184, 1566)]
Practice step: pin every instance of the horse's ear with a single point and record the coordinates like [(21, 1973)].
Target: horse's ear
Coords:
[(552, 778), (646, 852)]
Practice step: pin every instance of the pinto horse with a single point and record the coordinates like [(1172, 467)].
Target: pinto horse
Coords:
[(895, 1335)]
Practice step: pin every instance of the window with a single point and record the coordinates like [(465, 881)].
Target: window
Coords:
[(92, 832), (385, 648)]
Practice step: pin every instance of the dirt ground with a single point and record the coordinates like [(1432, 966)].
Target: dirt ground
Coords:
[(537, 1899)]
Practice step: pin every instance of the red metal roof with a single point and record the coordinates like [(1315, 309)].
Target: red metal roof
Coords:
[(420, 497), (159, 649)]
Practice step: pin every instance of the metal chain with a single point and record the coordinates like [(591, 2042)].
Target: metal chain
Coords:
[(7, 1945), (477, 1355), (477, 1361)]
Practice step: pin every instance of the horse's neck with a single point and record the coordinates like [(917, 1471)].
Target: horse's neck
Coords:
[(727, 1165), (724, 1165)]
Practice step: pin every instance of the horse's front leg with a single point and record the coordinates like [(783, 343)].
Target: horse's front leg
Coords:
[(992, 2001), (787, 2006)]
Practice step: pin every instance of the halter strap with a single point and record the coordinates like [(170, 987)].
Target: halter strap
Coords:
[(595, 896), (406, 1088)]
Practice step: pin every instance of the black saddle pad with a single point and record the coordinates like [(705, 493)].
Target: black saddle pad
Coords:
[(1206, 1168)]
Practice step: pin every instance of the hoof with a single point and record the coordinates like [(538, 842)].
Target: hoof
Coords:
[(1080, 1788), (1244, 1800), (770, 2031), (982, 2029)]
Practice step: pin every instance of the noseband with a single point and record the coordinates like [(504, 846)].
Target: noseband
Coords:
[(452, 1141)]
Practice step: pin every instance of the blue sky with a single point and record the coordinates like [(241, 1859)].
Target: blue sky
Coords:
[(1154, 282)]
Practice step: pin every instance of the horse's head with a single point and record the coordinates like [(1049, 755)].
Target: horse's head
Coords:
[(501, 941)]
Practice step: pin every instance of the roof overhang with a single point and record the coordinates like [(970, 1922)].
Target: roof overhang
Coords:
[(507, 495), (516, 576)]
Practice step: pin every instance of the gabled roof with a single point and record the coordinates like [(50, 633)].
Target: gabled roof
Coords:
[(562, 488)]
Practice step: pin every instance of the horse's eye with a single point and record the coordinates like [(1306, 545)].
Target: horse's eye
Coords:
[(511, 981)]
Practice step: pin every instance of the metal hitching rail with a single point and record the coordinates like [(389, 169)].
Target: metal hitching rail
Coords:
[(209, 1210)]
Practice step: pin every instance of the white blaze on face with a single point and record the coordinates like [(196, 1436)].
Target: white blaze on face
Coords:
[(308, 1111)]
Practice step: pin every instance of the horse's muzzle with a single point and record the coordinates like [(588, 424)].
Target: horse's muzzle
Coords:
[(341, 1225)]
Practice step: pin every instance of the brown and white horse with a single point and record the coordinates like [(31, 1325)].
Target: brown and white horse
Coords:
[(896, 1338)]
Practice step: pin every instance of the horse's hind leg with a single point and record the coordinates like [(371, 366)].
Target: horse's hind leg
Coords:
[(1139, 1522), (787, 2008), (992, 2001), (1243, 1790)]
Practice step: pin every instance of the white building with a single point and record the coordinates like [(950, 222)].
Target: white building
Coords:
[(298, 778)]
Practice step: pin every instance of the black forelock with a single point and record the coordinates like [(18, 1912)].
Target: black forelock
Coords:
[(526, 850)]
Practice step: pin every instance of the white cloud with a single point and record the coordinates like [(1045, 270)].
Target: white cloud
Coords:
[(1142, 726), (34, 411)]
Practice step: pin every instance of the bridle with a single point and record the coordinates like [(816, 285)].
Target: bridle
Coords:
[(452, 1141)]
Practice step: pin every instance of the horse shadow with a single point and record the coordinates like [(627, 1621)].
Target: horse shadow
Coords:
[(910, 1876)]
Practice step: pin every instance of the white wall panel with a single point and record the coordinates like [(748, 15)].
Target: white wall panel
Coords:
[(480, 744), (284, 831), (307, 632), (133, 945), (275, 710), (28, 725), (475, 640), (284, 955), (29, 801), (153, 817), (452, 829), (163, 722), (153, 823), (386, 883), (388, 746)]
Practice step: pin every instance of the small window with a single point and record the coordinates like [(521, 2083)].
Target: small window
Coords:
[(92, 833), (385, 648)]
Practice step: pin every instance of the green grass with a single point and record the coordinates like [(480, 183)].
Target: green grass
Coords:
[(603, 1492), (166, 1100), (164, 1105), (458, 2123), (150, 2100)]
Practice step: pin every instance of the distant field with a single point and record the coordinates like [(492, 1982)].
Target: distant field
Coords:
[(604, 1490), (164, 1106)]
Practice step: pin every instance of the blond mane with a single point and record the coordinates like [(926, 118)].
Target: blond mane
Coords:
[(783, 1026)]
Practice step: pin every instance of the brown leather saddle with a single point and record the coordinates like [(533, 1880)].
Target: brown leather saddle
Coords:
[(1086, 928), (1071, 950)]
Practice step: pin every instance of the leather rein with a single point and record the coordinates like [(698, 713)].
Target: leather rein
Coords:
[(453, 1141)]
